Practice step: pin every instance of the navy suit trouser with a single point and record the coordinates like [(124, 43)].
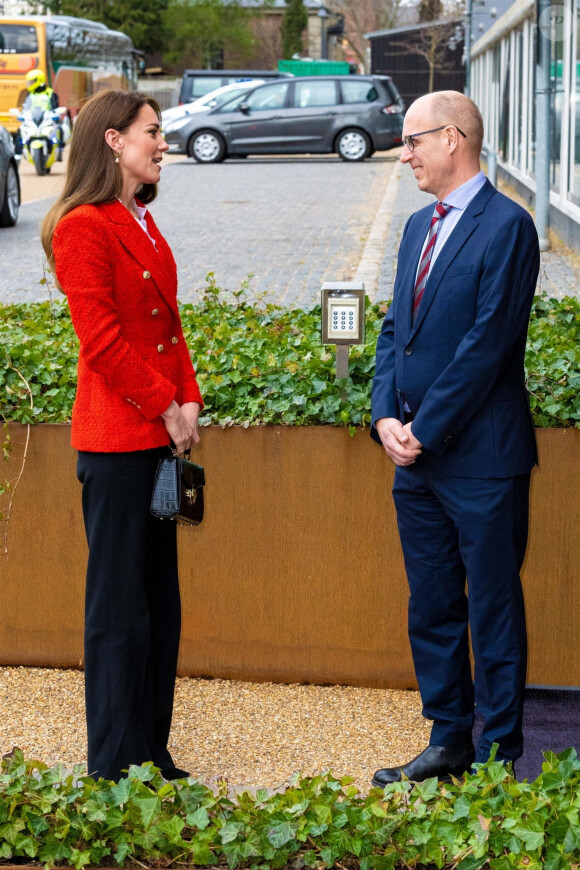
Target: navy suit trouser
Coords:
[(132, 613), (455, 530)]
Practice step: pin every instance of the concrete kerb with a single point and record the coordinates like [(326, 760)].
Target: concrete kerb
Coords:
[(369, 267)]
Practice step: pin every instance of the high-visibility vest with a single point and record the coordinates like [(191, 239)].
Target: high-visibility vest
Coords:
[(41, 100)]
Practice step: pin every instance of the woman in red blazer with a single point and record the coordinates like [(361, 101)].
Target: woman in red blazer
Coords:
[(137, 393)]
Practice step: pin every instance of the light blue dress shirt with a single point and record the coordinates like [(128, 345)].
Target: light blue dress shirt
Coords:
[(458, 199)]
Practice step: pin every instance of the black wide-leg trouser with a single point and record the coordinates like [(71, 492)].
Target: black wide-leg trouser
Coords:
[(132, 613)]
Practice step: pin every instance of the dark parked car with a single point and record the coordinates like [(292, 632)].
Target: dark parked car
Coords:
[(199, 82), (9, 181), (352, 116)]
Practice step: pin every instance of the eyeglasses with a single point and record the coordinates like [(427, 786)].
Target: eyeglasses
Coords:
[(409, 141)]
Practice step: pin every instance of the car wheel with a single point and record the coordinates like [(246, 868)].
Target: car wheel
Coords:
[(207, 146), (9, 209), (353, 145)]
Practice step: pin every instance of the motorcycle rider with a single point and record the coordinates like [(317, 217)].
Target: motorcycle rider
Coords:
[(41, 96)]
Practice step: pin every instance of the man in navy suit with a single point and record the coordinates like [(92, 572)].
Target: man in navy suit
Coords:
[(450, 407)]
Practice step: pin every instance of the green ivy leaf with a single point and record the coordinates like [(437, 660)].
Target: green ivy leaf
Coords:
[(472, 863), (230, 831), (199, 819), (123, 851), (53, 850), (149, 808), (532, 839), (80, 858), (280, 833)]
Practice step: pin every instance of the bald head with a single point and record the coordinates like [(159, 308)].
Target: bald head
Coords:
[(453, 107), (443, 134)]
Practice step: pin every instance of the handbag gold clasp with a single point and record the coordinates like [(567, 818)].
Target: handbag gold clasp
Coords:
[(191, 495)]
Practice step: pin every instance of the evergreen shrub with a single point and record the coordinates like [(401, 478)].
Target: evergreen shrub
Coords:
[(486, 820), (262, 364)]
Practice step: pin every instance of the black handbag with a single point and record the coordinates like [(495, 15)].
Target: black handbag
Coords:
[(178, 491)]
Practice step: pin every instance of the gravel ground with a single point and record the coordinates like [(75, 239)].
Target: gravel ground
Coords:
[(252, 734)]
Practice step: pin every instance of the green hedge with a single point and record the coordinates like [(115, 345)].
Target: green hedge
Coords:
[(262, 364), (489, 819)]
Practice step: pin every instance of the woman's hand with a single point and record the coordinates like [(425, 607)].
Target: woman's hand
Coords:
[(191, 413), (180, 429)]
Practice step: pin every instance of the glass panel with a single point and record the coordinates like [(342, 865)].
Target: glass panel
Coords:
[(556, 105), (18, 39), (226, 96), (575, 121), (268, 97), (519, 157), (308, 94), (392, 89), (358, 92), (533, 147), (504, 109), (529, 96), (87, 44), (202, 86)]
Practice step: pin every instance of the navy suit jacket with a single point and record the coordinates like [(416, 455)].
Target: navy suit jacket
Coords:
[(460, 366)]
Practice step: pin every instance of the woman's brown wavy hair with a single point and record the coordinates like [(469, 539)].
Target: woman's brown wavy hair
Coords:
[(92, 174)]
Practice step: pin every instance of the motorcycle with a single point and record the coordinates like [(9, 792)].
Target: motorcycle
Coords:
[(43, 134)]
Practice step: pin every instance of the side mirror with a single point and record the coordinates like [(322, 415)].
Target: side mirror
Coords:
[(212, 104), (243, 107)]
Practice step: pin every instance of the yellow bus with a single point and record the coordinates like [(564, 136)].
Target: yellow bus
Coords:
[(78, 57)]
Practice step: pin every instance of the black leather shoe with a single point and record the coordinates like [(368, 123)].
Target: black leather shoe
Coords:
[(174, 773), (439, 761)]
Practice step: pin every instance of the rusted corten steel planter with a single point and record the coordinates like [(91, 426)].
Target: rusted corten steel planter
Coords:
[(296, 574)]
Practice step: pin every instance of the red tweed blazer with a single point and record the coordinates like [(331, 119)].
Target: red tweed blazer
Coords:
[(133, 360)]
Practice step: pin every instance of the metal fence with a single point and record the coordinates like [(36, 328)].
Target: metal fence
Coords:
[(164, 90)]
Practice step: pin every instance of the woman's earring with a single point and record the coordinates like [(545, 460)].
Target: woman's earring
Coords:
[(117, 157)]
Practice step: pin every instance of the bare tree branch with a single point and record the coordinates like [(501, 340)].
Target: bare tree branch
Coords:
[(432, 44), (364, 16)]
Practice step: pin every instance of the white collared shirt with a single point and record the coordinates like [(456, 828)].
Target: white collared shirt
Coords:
[(142, 211)]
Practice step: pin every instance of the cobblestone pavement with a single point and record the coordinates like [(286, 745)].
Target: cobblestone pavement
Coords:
[(292, 222)]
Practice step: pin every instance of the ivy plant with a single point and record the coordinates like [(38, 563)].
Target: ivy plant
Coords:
[(486, 820), (262, 364), (553, 362)]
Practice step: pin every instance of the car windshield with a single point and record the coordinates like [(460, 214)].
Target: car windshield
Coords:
[(239, 90), (269, 96), (223, 95)]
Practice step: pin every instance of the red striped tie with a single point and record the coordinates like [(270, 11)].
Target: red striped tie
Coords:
[(423, 273)]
